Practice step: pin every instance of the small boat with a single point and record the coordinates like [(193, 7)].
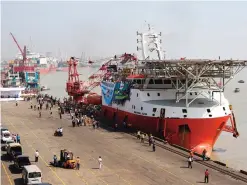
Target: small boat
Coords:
[(241, 81), (237, 90), (44, 88)]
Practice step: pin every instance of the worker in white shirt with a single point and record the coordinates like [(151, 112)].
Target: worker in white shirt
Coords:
[(100, 162), (36, 156)]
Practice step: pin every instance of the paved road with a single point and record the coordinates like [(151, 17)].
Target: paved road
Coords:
[(125, 160)]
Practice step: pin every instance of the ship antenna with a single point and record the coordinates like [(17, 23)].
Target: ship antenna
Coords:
[(150, 42)]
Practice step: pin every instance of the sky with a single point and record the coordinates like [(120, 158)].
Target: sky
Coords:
[(103, 29)]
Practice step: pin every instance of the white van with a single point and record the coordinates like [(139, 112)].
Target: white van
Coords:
[(5, 136), (31, 174)]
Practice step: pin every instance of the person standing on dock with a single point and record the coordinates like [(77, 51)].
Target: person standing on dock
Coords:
[(31, 106), (100, 162), (16, 103), (55, 160), (206, 176), (142, 137), (204, 154), (138, 134), (154, 146), (18, 138), (190, 162), (78, 163), (36, 154), (40, 114)]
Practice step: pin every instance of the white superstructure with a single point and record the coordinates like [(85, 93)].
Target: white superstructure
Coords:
[(11, 94)]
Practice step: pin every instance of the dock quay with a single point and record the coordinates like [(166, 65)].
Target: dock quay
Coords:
[(125, 159)]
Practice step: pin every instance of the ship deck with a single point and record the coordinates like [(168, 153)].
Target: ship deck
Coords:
[(198, 103), (125, 160)]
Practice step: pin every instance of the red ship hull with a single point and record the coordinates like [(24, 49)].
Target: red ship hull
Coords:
[(47, 70), (63, 69), (192, 134)]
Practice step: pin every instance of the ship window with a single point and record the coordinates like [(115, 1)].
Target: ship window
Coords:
[(141, 108), (208, 110), (184, 110), (154, 109), (210, 115), (158, 81), (134, 106), (153, 114), (224, 108), (158, 94), (167, 81), (137, 94), (185, 116), (148, 94), (195, 93), (191, 94), (151, 81)]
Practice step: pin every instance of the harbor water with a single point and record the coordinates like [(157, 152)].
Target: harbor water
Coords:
[(227, 149)]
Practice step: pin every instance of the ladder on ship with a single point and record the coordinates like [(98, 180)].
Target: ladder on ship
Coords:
[(233, 127)]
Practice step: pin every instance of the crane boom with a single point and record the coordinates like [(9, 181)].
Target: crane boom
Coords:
[(22, 53)]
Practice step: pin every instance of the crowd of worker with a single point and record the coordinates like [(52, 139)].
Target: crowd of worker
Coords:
[(80, 114)]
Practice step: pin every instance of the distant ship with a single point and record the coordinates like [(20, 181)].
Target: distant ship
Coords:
[(41, 63)]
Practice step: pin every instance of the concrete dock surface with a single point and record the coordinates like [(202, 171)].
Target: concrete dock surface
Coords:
[(125, 159)]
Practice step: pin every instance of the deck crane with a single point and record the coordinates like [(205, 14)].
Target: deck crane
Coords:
[(81, 91), (22, 65)]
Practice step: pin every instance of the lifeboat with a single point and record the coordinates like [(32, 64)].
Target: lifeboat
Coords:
[(92, 98)]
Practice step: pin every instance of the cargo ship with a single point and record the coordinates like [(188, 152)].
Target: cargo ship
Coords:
[(180, 100)]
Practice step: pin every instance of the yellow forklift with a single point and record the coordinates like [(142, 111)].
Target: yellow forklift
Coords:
[(66, 159)]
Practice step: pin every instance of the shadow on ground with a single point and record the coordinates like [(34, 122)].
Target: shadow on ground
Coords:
[(13, 169), (18, 181)]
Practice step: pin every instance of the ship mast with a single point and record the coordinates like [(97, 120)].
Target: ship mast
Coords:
[(150, 42)]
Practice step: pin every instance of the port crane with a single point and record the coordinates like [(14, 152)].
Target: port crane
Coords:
[(22, 65)]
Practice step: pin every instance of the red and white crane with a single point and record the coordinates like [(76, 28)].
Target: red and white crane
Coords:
[(23, 64), (81, 91)]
